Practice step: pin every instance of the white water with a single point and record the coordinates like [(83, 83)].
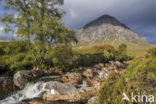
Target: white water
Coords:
[(29, 92)]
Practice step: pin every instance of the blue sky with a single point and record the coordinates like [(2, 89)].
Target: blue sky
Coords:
[(139, 15)]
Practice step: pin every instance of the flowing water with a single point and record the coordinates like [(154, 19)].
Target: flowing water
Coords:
[(29, 92), (32, 90)]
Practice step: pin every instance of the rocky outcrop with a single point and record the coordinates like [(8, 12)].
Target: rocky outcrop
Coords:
[(74, 78), (21, 78), (6, 86)]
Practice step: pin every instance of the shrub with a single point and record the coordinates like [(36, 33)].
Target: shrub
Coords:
[(121, 53), (151, 52)]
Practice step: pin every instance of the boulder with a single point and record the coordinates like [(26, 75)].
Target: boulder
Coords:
[(57, 91), (74, 78), (21, 78)]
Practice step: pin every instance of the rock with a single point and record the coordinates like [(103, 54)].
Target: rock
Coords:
[(94, 82), (57, 91), (88, 94), (113, 68), (40, 101), (118, 65), (35, 101), (103, 74), (99, 78), (85, 89), (61, 88), (126, 62), (6, 87), (21, 78), (74, 78), (92, 100), (88, 73), (101, 65)]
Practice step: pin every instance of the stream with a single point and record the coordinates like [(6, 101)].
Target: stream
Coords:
[(33, 90)]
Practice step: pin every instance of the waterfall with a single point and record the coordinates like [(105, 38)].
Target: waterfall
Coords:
[(29, 92)]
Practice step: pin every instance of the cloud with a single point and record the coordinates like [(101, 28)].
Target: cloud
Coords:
[(139, 15)]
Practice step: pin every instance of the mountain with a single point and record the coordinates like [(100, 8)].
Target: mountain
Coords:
[(107, 30)]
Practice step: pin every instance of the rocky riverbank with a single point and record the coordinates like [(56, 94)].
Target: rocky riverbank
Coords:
[(80, 85)]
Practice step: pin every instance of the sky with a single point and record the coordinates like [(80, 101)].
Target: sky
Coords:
[(139, 15)]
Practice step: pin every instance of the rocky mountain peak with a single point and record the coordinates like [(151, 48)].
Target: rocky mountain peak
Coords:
[(105, 19), (107, 30)]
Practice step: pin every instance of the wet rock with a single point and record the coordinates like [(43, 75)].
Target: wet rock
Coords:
[(74, 78), (6, 86), (21, 78)]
